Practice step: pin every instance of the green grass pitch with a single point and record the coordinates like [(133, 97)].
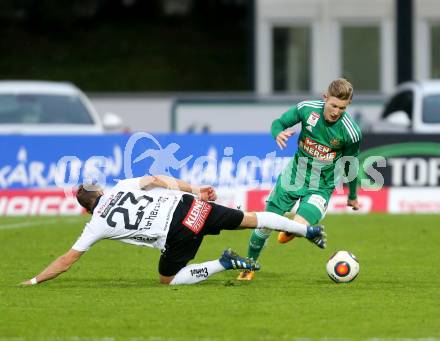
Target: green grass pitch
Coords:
[(113, 293)]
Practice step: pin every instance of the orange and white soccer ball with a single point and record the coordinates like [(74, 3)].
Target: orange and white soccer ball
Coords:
[(343, 267)]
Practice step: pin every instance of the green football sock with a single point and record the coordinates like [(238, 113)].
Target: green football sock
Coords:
[(256, 242)]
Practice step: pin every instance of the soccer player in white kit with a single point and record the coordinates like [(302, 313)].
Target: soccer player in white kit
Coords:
[(170, 215)]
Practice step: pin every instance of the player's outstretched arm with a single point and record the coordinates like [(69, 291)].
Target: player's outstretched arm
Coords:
[(58, 266), (206, 193), (352, 151)]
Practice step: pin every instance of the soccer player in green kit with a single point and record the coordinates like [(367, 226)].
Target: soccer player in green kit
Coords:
[(328, 133)]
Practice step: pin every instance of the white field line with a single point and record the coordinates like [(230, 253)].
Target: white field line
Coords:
[(52, 221)]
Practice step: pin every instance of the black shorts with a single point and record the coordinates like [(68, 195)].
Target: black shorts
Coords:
[(189, 226)]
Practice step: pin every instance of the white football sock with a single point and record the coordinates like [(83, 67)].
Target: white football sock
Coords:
[(195, 273), (274, 221)]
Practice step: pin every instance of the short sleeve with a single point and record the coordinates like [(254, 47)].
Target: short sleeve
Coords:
[(353, 136), (86, 240)]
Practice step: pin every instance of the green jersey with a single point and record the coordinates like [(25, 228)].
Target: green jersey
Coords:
[(320, 144)]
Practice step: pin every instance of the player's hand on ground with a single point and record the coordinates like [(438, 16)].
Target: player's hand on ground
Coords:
[(354, 204), (282, 138), (207, 193), (28, 282)]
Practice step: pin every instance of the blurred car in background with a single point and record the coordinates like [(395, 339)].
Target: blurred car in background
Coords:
[(40, 107), (414, 107)]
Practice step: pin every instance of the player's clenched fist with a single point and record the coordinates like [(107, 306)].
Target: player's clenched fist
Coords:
[(207, 193)]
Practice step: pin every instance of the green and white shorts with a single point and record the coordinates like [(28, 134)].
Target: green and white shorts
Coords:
[(312, 203)]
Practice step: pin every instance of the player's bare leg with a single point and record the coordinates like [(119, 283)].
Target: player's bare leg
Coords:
[(285, 237), (314, 234)]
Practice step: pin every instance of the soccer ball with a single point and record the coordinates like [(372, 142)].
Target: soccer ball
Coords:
[(343, 267)]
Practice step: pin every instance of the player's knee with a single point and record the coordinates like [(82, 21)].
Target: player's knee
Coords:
[(300, 219), (249, 220), (308, 216)]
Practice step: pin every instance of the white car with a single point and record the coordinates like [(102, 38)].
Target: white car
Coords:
[(38, 107), (414, 107)]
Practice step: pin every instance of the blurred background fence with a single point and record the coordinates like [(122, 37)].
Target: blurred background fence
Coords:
[(209, 75)]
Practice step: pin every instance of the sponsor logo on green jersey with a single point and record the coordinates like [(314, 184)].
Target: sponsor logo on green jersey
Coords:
[(317, 150)]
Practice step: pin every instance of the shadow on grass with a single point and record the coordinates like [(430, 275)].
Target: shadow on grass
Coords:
[(262, 280), (107, 283), (367, 283), (100, 283)]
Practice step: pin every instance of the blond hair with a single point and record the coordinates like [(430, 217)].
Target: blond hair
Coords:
[(340, 88)]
